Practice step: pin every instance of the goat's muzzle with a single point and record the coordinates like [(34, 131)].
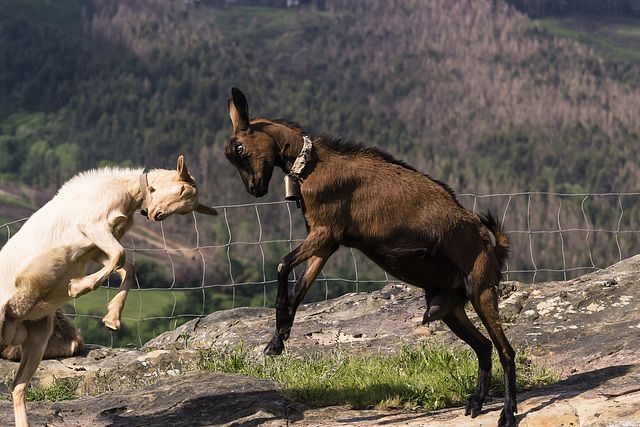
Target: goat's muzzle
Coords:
[(258, 190)]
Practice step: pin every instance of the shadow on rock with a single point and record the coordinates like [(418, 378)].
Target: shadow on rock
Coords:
[(234, 409), (192, 399), (596, 382)]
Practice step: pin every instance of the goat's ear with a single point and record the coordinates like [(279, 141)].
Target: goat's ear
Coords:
[(239, 110), (183, 173), (205, 210)]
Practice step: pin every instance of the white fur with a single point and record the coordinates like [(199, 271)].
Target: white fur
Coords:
[(44, 264)]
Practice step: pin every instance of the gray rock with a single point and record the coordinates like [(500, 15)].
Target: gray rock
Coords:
[(191, 399)]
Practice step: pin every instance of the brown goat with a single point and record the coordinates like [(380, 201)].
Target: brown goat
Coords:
[(409, 224), (65, 341)]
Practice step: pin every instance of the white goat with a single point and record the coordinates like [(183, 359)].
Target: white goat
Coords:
[(43, 265)]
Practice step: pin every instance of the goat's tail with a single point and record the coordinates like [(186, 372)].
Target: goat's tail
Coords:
[(501, 246)]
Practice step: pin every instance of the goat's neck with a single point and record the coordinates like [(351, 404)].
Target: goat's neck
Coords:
[(289, 144), (131, 184)]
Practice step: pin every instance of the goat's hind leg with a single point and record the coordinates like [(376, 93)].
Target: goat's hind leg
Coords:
[(486, 305), (459, 323), (33, 346)]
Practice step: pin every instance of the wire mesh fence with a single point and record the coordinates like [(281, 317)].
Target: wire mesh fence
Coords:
[(189, 267)]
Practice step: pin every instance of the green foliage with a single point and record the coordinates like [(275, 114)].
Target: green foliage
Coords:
[(41, 65), (157, 99), (563, 161), (63, 14), (150, 274), (28, 150)]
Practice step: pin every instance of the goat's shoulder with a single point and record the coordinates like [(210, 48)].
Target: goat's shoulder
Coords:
[(119, 223)]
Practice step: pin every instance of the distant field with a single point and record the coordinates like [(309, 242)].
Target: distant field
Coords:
[(615, 38), (18, 203), (156, 302), (143, 318), (247, 22)]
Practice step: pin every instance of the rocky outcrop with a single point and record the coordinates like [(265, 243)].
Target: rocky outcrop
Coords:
[(587, 327)]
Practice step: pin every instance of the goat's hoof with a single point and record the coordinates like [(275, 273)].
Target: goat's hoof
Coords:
[(275, 346), (474, 407), (75, 294), (114, 326), (507, 419)]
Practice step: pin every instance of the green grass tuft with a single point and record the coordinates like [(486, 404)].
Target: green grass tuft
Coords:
[(56, 392), (428, 377)]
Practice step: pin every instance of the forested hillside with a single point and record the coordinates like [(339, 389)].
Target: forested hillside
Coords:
[(471, 92), (475, 94)]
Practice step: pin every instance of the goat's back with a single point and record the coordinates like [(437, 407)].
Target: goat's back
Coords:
[(389, 210), (53, 233)]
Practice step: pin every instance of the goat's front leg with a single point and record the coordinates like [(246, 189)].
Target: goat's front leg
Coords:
[(127, 275), (115, 259), (316, 248), (33, 346)]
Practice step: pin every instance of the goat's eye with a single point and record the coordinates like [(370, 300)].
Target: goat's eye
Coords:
[(240, 149), (182, 190)]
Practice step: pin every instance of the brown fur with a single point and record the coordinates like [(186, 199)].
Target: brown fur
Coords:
[(409, 224), (65, 341)]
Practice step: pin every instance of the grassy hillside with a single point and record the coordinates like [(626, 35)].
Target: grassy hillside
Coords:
[(612, 38)]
